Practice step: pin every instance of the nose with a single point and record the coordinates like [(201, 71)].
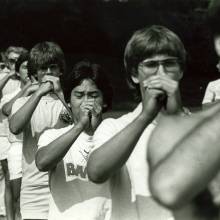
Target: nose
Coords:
[(48, 70), (161, 70), (87, 97)]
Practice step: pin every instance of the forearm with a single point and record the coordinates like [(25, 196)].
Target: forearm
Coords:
[(174, 104), (22, 117), (112, 155), (47, 157), (189, 167)]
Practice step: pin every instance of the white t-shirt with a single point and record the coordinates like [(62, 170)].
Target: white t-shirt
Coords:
[(10, 86), (73, 196), (131, 198), (14, 151), (34, 198), (212, 92), (4, 127), (2, 192), (4, 119)]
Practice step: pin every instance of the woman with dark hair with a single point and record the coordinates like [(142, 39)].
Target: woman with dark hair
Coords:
[(64, 152)]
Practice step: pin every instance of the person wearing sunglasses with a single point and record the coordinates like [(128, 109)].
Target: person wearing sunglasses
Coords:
[(9, 81), (9, 87), (15, 151), (154, 59), (12, 55), (32, 115), (7, 194)]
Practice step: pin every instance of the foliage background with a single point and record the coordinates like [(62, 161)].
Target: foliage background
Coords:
[(99, 30)]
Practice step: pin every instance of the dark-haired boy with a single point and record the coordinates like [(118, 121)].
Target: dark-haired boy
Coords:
[(32, 115)]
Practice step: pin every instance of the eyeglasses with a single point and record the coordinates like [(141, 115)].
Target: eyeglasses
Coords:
[(169, 65), (3, 66), (52, 67), (12, 61)]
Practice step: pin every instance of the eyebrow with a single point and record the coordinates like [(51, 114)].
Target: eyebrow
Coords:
[(90, 92)]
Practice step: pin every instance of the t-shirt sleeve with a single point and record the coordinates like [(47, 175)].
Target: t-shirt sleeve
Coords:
[(106, 130), (47, 137), (50, 135), (7, 98), (209, 94), (18, 104)]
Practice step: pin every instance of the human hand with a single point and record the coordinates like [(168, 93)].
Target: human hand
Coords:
[(31, 87), (172, 104), (152, 99), (85, 113), (164, 83), (12, 74), (45, 88), (96, 115), (55, 82)]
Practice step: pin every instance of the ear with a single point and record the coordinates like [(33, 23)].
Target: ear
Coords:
[(104, 106), (134, 76), (135, 79), (180, 75)]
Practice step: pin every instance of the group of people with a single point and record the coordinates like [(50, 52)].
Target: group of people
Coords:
[(62, 161)]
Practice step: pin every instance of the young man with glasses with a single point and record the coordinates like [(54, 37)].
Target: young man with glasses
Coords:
[(154, 59), (32, 115)]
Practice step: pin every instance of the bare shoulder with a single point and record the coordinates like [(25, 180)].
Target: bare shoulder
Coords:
[(169, 131)]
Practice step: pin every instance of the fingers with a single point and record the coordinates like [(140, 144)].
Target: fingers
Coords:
[(162, 83), (97, 109), (92, 106), (33, 79), (86, 106), (50, 78), (54, 80)]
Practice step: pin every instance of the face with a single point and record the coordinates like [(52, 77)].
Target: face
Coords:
[(217, 44), (23, 72), (217, 49), (51, 69), (12, 58), (162, 65), (87, 90), (4, 68)]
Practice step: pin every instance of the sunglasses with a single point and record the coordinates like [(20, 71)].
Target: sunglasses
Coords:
[(12, 61), (3, 66)]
